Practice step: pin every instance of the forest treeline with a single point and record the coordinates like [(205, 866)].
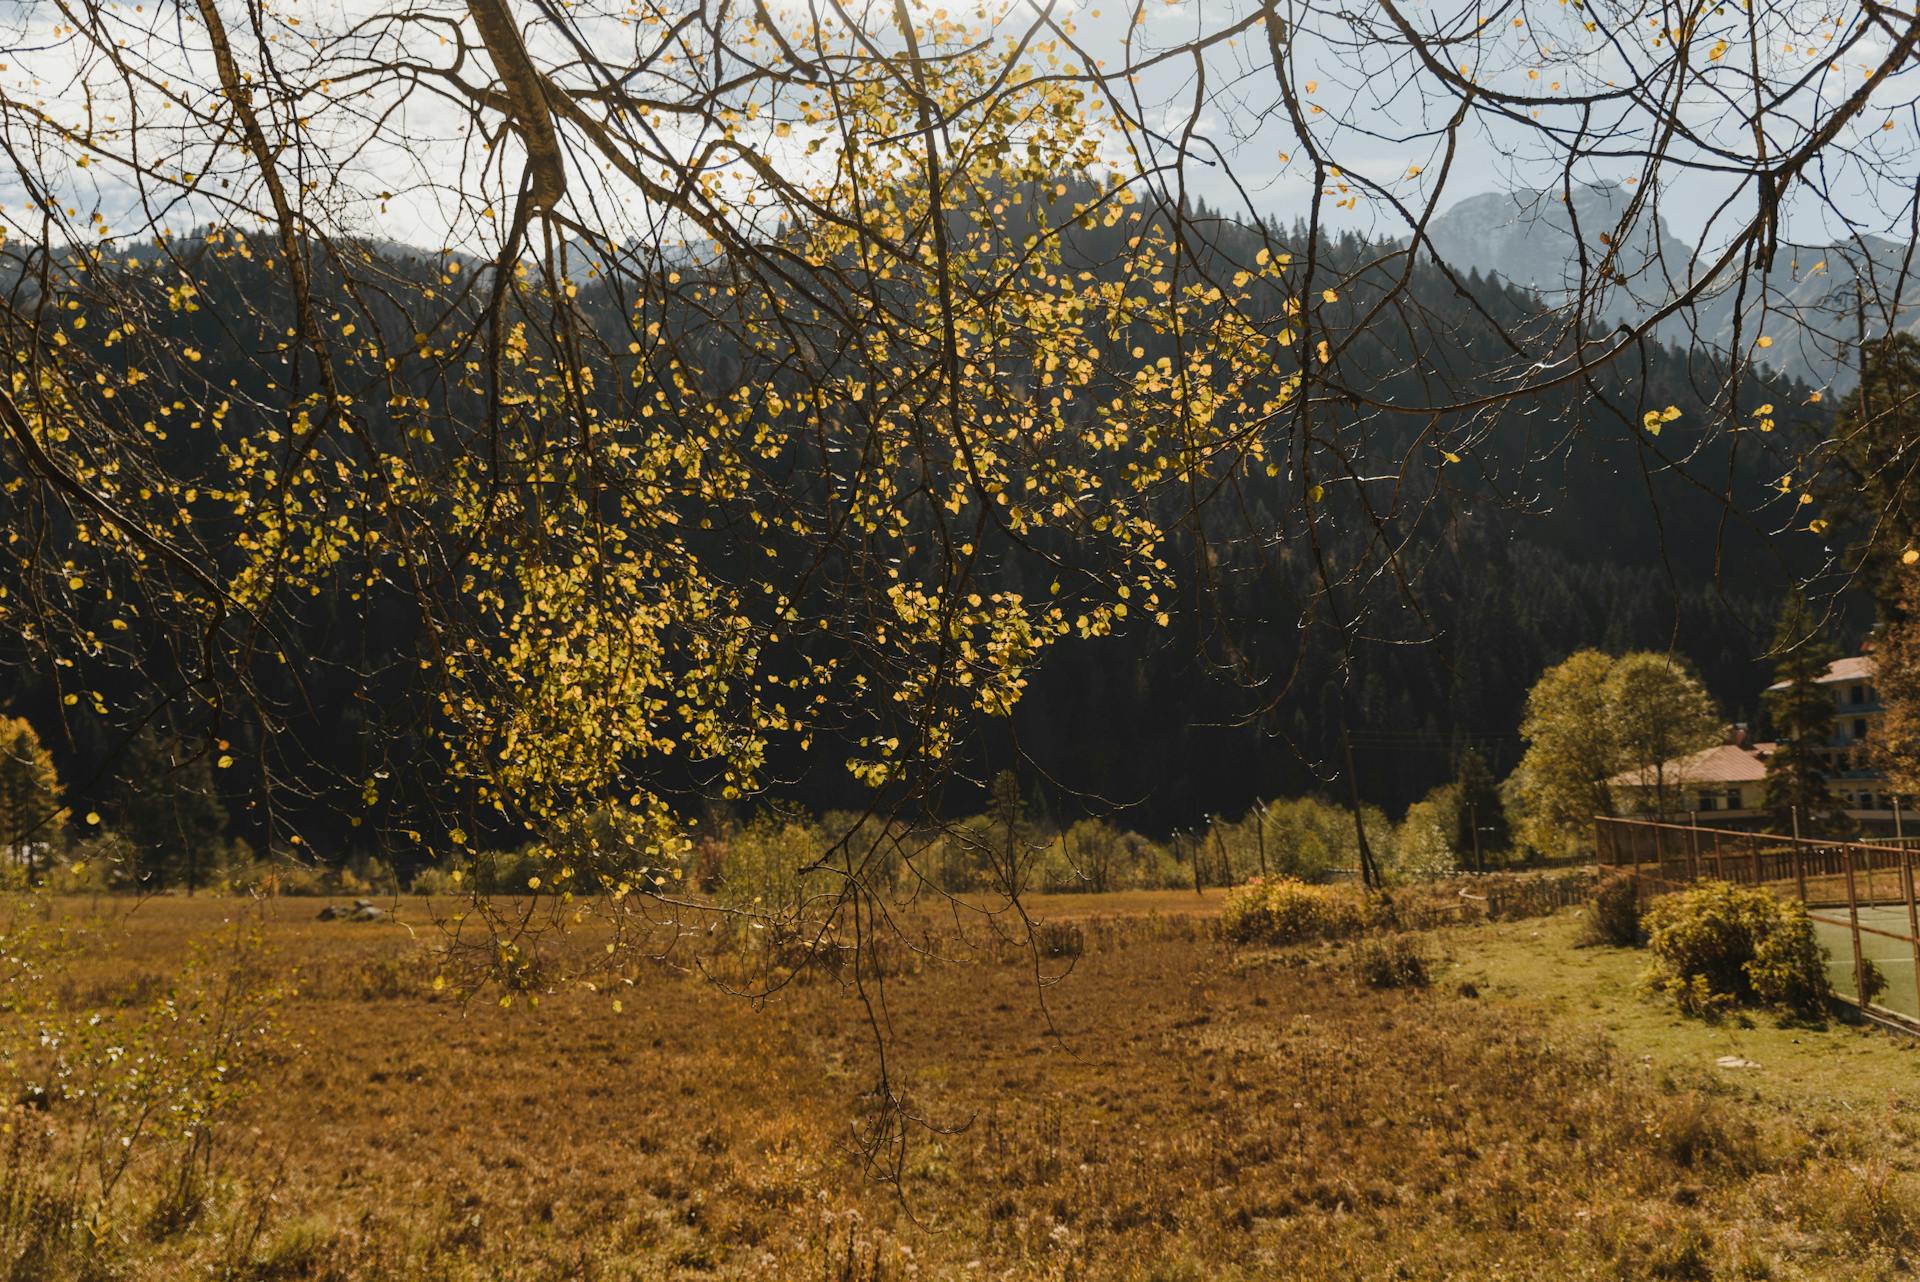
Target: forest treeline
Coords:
[(1569, 520)]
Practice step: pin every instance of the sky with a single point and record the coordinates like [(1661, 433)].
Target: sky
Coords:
[(403, 158)]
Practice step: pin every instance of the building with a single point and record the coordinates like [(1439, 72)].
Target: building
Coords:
[(1725, 784), (1856, 782)]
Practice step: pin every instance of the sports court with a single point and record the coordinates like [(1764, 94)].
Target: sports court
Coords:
[(1894, 957)]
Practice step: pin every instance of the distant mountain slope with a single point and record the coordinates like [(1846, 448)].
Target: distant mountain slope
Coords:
[(1815, 303)]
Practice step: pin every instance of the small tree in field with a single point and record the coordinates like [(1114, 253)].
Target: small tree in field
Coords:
[(1658, 711), (1095, 850), (1423, 842), (29, 794), (1009, 847), (1802, 716)]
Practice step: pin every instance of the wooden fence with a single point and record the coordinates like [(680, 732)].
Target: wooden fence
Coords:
[(1836, 880)]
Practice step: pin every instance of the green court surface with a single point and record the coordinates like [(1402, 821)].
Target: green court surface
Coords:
[(1894, 957)]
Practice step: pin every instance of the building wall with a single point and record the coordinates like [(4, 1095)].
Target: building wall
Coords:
[(1861, 789)]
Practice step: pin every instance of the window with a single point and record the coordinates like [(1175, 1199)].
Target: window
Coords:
[(1707, 801), (1857, 695), (1859, 727), (1733, 799)]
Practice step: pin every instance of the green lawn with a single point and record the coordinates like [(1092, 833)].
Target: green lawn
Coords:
[(1535, 963)]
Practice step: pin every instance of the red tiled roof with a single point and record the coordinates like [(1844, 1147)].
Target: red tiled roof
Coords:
[(1722, 763), (1857, 667)]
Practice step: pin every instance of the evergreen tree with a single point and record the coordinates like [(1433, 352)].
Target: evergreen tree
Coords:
[(1477, 804), (1896, 656), (167, 808), (1802, 716), (1867, 485), (29, 796)]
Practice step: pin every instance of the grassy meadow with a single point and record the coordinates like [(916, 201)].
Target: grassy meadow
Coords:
[(1160, 1107)]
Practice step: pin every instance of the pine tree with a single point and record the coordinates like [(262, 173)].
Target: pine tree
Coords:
[(168, 808), (1802, 716), (1866, 485), (1477, 804), (29, 795), (1896, 657)]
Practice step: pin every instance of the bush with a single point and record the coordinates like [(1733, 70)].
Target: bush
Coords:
[(1717, 945), (1288, 911), (1392, 961), (1613, 914), (760, 869)]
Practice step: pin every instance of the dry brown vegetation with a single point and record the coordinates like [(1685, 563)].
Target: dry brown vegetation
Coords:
[(1172, 1109)]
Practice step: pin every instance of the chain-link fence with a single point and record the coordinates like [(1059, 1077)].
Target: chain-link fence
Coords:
[(1861, 895)]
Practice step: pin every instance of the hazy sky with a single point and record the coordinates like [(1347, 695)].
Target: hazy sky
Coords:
[(407, 163)]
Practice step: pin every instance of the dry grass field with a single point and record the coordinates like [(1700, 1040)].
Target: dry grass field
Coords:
[(1170, 1109)]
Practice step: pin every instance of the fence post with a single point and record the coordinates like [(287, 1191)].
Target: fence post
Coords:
[(1799, 856), (1693, 845), (1913, 916), (1853, 919)]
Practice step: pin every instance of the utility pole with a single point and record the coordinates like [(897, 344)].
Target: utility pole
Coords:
[(1260, 832), (1473, 821)]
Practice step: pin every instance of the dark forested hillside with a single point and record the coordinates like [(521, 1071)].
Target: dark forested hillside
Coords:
[(1456, 555)]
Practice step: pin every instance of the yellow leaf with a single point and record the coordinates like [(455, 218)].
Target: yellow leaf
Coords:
[(93, 817), (1329, 295), (1909, 557)]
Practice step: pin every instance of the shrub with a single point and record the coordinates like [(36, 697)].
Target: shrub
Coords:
[(1288, 911), (1613, 914), (759, 871), (1717, 945), (1392, 961), (1873, 982)]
